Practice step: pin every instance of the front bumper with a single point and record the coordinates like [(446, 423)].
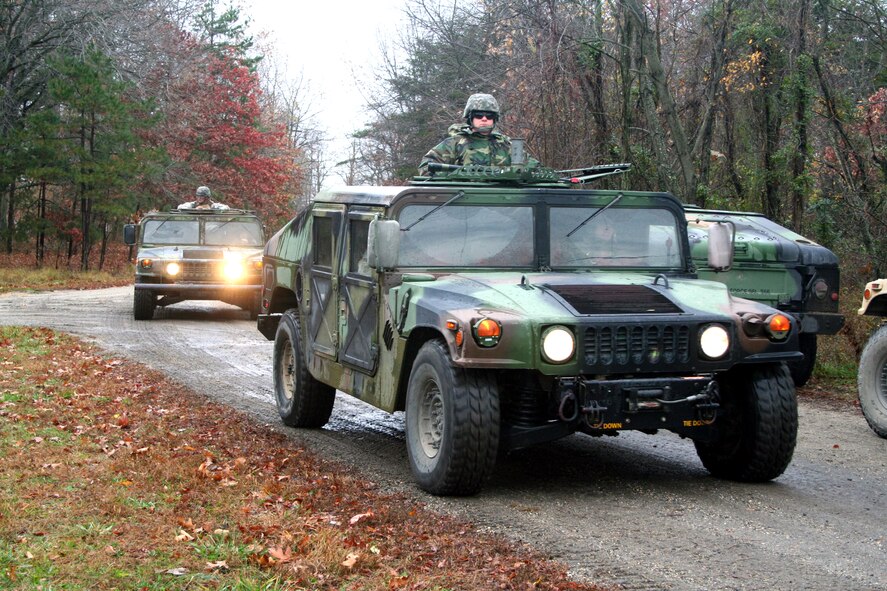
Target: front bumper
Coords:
[(165, 288)]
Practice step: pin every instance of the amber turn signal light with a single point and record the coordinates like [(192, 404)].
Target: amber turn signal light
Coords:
[(779, 326)]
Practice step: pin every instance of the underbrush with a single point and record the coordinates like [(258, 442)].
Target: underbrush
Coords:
[(19, 272)]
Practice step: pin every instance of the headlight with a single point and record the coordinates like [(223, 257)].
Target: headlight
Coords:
[(173, 269), (714, 341), (558, 344), (146, 263), (233, 270), (820, 289)]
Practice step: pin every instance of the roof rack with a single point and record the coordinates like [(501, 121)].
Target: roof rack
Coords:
[(516, 175), (228, 211)]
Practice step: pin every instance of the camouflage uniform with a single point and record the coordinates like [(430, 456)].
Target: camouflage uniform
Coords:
[(203, 201), (466, 145)]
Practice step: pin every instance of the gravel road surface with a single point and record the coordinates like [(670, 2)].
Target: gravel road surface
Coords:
[(634, 510)]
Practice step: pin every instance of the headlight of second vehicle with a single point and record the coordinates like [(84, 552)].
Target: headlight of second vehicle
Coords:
[(233, 270), (558, 344)]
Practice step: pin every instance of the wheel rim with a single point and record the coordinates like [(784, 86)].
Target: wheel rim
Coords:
[(287, 376), (431, 419)]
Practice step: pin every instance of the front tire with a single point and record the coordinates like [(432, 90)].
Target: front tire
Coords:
[(143, 303), (452, 423), (758, 425), (872, 382), (302, 400)]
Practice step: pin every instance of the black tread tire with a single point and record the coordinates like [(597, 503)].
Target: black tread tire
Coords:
[(802, 370), (468, 438), (254, 306), (143, 303), (758, 425), (871, 381), (302, 400)]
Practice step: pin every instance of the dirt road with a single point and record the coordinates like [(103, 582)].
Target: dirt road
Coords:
[(635, 510)]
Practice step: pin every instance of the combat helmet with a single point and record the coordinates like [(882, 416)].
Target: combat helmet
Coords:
[(202, 192), (480, 102)]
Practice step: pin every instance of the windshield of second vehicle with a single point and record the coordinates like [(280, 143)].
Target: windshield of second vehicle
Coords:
[(616, 237), (465, 235), (233, 233), (171, 232)]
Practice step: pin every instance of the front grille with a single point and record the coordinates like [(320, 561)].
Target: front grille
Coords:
[(627, 347), (202, 271)]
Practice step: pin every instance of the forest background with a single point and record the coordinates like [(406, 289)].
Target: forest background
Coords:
[(109, 108)]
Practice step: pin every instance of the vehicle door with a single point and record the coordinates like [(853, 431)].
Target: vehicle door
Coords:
[(323, 280), (359, 305)]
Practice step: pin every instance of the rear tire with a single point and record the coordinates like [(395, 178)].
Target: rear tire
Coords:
[(452, 423), (143, 304), (872, 381), (758, 425), (802, 370), (302, 400)]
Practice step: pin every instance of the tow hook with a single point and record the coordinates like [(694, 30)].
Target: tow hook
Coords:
[(569, 408)]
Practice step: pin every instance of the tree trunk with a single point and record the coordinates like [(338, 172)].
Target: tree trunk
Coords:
[(10, 216), (799, 158), (41, 233), (666, 102)]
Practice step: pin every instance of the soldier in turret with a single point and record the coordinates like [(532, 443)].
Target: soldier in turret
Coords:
[(203, 200), (477, 141)]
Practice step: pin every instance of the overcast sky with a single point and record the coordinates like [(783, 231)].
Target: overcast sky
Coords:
[(327, 40)]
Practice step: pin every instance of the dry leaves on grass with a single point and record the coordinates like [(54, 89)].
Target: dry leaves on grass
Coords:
[(197, 476)]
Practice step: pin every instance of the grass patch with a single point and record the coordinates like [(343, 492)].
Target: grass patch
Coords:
[(18, 272), (112, 477)]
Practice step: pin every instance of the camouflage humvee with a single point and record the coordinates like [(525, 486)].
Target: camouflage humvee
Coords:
[(776, 266), (872, 376), (196, 254), (500, 308)]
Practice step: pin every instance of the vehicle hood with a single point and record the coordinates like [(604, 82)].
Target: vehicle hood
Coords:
[(551, 295)]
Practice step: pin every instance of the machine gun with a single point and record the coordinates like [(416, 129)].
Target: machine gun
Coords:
[(521, 171)]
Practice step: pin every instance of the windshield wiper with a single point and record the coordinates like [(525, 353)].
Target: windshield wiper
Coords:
[(595, 214), (450, 200)]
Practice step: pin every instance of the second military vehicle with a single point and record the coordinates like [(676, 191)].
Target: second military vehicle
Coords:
[(500, 308), (872, 375), (196, 254), (776, 266)]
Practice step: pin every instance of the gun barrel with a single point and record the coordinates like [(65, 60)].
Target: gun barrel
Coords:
[(441, 167), (602, 168)]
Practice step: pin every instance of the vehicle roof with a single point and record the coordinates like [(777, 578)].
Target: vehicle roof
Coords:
[(201, 212), (385, 196)]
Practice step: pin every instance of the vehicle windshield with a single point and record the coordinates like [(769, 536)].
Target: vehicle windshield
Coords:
[(171, 232), (233, 233), (467, 235), (617, 237)]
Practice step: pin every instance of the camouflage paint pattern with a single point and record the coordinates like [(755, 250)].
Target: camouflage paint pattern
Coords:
[(775, 266), (414, 305)]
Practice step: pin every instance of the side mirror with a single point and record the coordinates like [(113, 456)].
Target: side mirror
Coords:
[(383, 243), (129, 234), (720, 246)]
